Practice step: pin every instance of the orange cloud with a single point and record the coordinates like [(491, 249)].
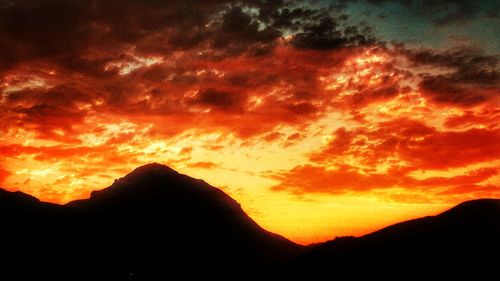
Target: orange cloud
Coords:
[(417, 144), (318, 179), (203, 165), (364, 159)]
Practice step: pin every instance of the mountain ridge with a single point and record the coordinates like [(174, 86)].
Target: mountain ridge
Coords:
[(197, 230), (462, 242), (152, 212)]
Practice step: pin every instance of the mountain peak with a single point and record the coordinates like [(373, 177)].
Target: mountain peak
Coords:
[(152, 176), (149, 171), (151, 212), (159, 184), (152, 168)]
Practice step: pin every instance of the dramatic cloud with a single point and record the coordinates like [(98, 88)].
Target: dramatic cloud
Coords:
[(262, 98), (317, 179), (389, 155), (472, 77), (323, 34)]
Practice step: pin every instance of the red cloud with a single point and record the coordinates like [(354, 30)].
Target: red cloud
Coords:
[(487, 117), (402, 146), (347, 179), (277, 89), (419, 145), (309, 178), (452, 149), (203, 165), (3, 175)]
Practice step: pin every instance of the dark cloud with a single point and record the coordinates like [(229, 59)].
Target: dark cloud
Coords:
[(147, 58), (221, 100), (239, 30), (84, 36), (468, 64), (442, 12), (324, 33), (471, 77), (288, 19), (443, 90), (50, 112)]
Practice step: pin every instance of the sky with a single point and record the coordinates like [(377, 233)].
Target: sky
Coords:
[(322, 118)]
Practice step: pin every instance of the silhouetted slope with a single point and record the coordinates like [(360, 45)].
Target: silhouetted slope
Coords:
[(463, 242), (19, 203), (20, 213), (184, 220), (152, 224), (157, 224)]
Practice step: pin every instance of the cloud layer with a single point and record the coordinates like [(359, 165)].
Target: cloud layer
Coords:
[(102, 84)]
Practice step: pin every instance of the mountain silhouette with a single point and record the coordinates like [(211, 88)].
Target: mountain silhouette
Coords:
[(153, 224), (157, 224), (463, 242)]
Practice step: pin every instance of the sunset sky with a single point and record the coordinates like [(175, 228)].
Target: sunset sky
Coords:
[(322, 118)]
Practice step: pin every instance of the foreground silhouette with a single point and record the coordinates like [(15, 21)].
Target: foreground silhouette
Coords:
[(462, 243), (157, 224), (152, 224)]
